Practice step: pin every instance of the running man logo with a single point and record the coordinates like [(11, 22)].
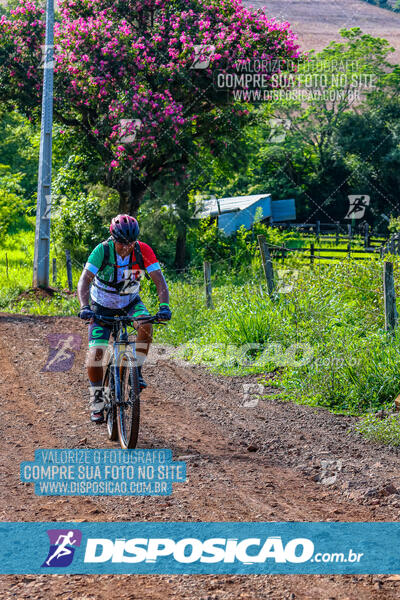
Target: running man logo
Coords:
[(62, 547), (357, 206), (286, 280), (203, 54), (278, 130), (128, 130), (62, 348), (131, 281), (47, 60)]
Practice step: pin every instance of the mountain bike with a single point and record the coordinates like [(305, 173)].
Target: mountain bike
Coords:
[(121, 381)]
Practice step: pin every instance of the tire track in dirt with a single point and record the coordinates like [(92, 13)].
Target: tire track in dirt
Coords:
[(34, 414), (196, 415), (256, 487)]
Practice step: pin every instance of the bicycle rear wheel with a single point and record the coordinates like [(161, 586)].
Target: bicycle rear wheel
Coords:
[(110, 406), (128, 408)]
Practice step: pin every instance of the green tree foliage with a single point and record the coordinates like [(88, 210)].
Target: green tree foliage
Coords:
[(125, 77), (80, 212), (336, 143), (19, 149), (388, 4), (317, 156), (331, 149), (11, 197)]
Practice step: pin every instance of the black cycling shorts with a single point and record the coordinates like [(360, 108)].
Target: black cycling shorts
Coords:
[(100, 334)]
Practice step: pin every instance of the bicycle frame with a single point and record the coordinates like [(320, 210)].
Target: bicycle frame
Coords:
[(120, 345), (123, 404)]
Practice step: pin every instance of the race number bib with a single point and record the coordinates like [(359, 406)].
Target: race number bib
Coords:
[(131, 282)]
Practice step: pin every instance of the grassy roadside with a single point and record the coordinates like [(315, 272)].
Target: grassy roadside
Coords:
[(322, 336), (16, 250)]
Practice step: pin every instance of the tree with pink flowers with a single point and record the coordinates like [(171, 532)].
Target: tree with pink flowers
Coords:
[(136, 78)]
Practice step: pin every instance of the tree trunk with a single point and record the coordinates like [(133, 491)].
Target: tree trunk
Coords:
[(181, 226), (180, 249), (130, 196)]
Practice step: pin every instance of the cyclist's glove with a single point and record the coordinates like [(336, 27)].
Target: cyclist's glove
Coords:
[(164, 313), (86, 313)]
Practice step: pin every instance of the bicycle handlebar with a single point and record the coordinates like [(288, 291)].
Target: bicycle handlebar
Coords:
[(129, 319)]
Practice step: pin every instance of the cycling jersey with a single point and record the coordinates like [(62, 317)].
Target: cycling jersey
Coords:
[(105, 295)]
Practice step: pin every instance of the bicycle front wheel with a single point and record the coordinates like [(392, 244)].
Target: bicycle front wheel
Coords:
[(129, 406), (110, 407)]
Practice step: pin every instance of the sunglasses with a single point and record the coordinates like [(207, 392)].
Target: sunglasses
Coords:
[(125, 243)]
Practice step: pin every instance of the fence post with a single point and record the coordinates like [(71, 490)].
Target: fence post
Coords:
[(391, 244), (349, 231), (337, 232), (69, 269), (397, 244), (311, 254), (390, 297), (366, 236), (6, 265), (267, 263), (318, 230), (207, 284), (54, 270)]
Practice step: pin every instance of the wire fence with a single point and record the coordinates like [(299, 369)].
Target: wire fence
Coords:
[(272, 258)]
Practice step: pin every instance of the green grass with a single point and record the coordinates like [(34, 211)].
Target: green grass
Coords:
[(322, 336), (323, 247), (325, 339), (384, 431), (17, 250)]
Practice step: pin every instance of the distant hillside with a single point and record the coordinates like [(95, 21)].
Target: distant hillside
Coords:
[(317, 22)]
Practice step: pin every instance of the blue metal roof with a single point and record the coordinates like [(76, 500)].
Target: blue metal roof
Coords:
[(238, 211), (213, 206)]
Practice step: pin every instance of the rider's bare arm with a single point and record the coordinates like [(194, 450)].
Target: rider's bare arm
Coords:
[(84, 287), (161, 285)]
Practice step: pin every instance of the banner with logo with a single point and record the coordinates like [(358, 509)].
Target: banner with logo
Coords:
[(200, 548)]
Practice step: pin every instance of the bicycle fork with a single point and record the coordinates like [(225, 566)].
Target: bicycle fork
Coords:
[(120, 349)]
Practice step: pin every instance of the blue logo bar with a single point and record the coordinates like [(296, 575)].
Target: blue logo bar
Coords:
[(200, 548)]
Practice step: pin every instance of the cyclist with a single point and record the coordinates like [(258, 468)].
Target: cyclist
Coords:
[(109, 285)]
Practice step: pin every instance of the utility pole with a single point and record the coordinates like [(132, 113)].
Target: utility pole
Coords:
[(41, 259)]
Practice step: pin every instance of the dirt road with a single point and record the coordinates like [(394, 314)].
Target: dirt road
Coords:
[(271, 462)]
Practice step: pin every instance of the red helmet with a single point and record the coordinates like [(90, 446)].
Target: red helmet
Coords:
[(124, 229)]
